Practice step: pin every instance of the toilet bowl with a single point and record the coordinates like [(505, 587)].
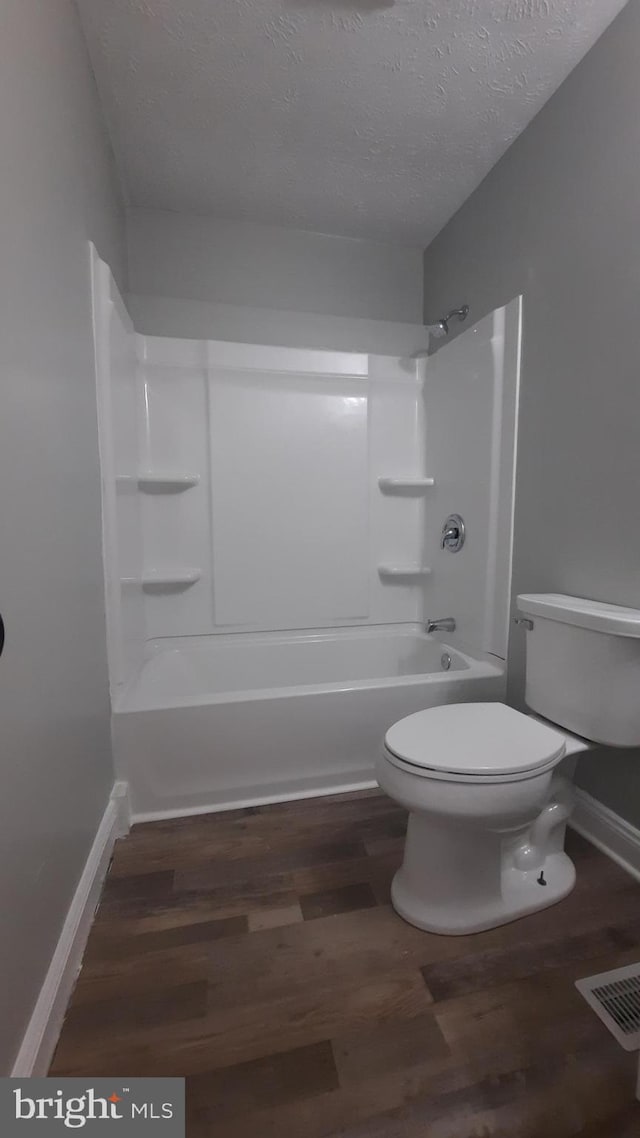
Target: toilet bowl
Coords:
[(487, 813), (486, 787)]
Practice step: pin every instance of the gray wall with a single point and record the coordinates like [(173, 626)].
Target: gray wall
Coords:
[(236, 263), (57, 188), (558, 219)]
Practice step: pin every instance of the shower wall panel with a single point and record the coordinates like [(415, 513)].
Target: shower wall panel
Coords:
[(472, 397), (118, 391), (253, 488), (285, 525), (176, 511), (289, 458)]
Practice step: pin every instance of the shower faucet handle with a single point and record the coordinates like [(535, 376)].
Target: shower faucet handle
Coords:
[(453, 533)]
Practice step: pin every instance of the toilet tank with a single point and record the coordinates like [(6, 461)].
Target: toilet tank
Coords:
[(583, 666)]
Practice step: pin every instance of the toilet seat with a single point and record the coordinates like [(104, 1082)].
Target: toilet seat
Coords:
[(473, 742)]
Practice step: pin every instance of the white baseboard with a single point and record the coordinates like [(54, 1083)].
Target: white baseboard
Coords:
[(46, 1021), (616, 837)]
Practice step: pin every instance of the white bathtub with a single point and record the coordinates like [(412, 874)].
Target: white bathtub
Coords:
[(224, 721)]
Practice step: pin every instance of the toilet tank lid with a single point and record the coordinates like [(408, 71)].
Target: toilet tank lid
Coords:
[(597, 615)]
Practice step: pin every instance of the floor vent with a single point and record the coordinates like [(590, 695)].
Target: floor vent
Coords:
[(615, 998)]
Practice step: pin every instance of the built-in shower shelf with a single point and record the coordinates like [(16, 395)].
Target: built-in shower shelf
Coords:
[(169, 580), (166, 481), (405, 485), (401, 573)]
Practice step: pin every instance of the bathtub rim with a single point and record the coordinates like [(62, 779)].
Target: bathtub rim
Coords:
[(145, 737), (473, 667)]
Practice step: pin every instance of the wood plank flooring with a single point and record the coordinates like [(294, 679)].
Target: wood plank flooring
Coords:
[(256, 953)]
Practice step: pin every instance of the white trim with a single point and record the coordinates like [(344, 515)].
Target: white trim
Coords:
[(256, 800), (301, 361), (120, 796), (44, 1027), (606, 830)]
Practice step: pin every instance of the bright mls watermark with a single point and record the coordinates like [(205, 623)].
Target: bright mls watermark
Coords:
[(135, 1107)]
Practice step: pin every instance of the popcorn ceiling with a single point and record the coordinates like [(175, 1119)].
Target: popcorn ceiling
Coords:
[(359, 117)]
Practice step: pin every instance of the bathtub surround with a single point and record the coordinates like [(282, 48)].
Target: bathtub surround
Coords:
[(58, 187), (118, 392), (273, 551), (556, 220), (472, 397)]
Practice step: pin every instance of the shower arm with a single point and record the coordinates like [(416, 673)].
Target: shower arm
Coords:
[(441, 329)]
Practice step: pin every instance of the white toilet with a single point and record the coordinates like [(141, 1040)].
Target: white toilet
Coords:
[(487, 802)]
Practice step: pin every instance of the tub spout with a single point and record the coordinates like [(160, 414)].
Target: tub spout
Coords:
[(445, 624)]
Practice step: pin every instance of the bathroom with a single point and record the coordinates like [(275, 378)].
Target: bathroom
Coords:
[(319, 352)]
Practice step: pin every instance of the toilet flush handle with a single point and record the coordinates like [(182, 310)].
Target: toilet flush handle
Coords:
[(524, 621)]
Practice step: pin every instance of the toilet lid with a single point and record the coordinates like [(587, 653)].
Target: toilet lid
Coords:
[(474, 739)]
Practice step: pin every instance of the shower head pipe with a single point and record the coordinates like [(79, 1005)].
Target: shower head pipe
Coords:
[(441, 329), (444, 321)]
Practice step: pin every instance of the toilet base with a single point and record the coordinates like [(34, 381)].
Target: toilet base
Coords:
[(519, 894)]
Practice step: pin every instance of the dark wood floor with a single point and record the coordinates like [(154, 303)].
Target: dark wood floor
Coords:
[(256, 953)]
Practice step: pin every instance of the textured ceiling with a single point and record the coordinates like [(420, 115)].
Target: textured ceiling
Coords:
[(362, 117)]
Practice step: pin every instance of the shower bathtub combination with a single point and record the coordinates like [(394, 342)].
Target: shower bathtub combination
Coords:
[(234, 720), (275, 546)]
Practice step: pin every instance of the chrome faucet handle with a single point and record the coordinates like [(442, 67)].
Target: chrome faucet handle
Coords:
[(452, 535)]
